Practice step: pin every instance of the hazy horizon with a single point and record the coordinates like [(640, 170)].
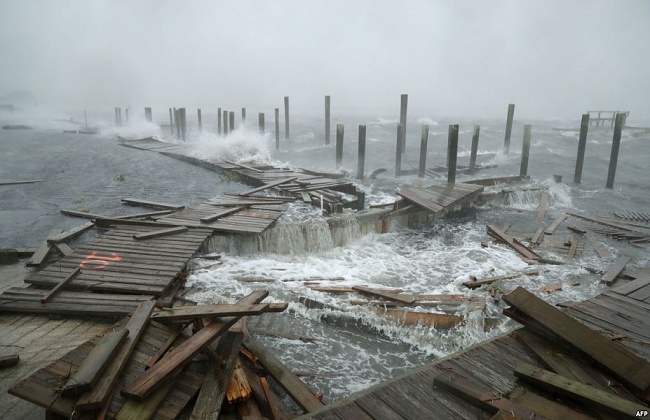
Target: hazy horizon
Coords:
[(552, 59)]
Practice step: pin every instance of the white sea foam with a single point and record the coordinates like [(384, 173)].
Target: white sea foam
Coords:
[(427, 121)]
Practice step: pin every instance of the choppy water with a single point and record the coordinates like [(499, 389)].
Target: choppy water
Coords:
[(353, 346)]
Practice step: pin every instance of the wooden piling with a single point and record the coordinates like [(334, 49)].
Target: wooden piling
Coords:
[(506, 142), (119, 116), (198, 114), (225, 123), (126, 112), (472, 156), (327, 119), (361, 159), (171, 121), (616, 142), (404, 101), (243, 116), (525, 151), (398, 152), (339, 145), (219, 121), (147, 114), (232, 121), (261, 122), (116, 121), (277, 128), (86, 118), (423, 150), (177, 119), (452, 153), (582, 145), (286, 117), (183, 123)]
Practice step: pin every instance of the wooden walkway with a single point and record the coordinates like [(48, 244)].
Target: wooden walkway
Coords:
[(481, 380), (440, 198)]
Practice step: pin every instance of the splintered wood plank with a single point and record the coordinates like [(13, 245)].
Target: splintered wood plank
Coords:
[(101, 393), (215, 216), (70, 233), (549, 230), (544, 407), (632, 286), (152, 204), (382, 294), (159, 233), (541, 208), (537, 237), (515, 244), (185, 313), (85, 378), (238, 389), (489, 280), (210, 400), (276, 407), (610, 276), (479, 396), (43, 251), (287, 379), (627, 366), (145, 409), (436, 320), (584, 393), (175, 360), (61, 285), (267, 186)]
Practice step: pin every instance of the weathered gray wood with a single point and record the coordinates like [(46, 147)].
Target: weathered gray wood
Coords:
[(27, 181), (489, 280), (582, 146), (616, 143), (225, 122), (260, 123), (586, 394), (222, 213), (198, 114), (549, 230), (267, 186), (339, 145), (627, 366), (296, 389), (403, 109), (423, 151), (153, 204), (61, 285), (219, 121), (94, 364), (390, 296), (147, 114), (474, 151), (327, 120), (159, 233), (71, 233), (541, 208), (361, 159), (43, 251), (171, 121), (610, 276), (232, 120), (398, 152), (186, 313), (179, 123), (452, 153), (286, 117), (243, 116), (525, 151), (277, 128), (210, 400), (506, 141)]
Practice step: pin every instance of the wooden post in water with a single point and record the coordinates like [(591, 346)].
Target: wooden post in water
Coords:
[(327, 119), (86, 118), (506, 141), (423, 150), (398, 152), (243, 116), (452, 153), (183, 123), (198, 114), (582, 146), (225, 122), (232, 121), (339, 145), (219, 121), (472, 156), (115, 116), (126, 113), (277, 128), (171, 121), (404, 102), (525, 151), (261, 122), (119, 116), (361, 159), (286, 117), (616, 143), (147, 114), (177, 119)]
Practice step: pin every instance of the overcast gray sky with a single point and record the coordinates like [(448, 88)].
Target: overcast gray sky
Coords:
[(453, 58)]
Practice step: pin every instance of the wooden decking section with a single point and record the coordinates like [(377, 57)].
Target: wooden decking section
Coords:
[(622, 314), (440, 198)]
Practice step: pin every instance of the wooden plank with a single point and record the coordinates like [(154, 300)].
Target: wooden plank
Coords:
[(417, 199), (267, 186), (100, 394), (174, 361), (43, 251), (543, 406), (64, 249), (573, 389), (213, 391), (70, 233), (61, 285), (144, 409), (600, 249), (186, 313), (627, 366), (632, 286), (489, 280), (26, 181), (516, 245), (549, 230), (430, 319), (81, 214), (8, 361), (250, 168), (166, 345), (215, 216), (85, 378), (505, 415), (610, 276), (277, 410), (479, 396), (147, 214), (574, 246), (382, 294), (541, 208), (296, 389), (153, 204), (159, 233)]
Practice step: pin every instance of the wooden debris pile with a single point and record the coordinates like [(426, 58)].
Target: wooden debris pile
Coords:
[(634, 231), (149, 366), (582, 372)]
